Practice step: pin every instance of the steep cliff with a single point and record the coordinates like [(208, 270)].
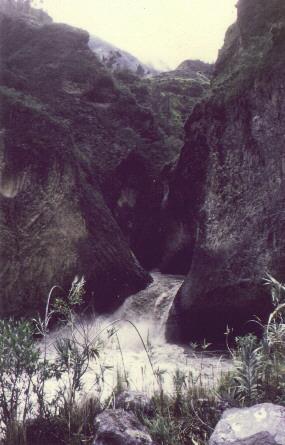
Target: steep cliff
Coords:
[(227, 190), (58, 132), (138, 199)]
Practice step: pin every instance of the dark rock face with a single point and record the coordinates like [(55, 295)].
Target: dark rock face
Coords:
[(53, 218), (138, 199), (228, 187), (46, 431), (119, 427)]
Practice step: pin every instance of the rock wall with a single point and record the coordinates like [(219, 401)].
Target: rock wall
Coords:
[(53, 218), (228, 187)]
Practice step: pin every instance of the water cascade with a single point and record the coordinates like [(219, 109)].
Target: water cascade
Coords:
[(134, 346)]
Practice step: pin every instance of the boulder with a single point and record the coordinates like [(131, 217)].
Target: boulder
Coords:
[(135, 401), (46, 431), (262, 424), (119, 427)]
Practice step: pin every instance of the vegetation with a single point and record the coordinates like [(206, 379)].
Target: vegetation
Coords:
[(170, 97), (30, 415), (252, 47), (258, 375)]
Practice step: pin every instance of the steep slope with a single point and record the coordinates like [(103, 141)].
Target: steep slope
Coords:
[(227, 190), (59, 114)]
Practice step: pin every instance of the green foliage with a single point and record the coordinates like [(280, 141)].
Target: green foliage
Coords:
[(54, 429), (252, 47), (248, 370), (187, 416), (24, 371), (19, 362), (163, 429), (157, 108), (259, 371)]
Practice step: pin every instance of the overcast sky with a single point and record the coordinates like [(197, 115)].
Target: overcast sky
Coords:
[(160, 32)]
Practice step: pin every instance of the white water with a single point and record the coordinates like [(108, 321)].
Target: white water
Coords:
[(124, 352)]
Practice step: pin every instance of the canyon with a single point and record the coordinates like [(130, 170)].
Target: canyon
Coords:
[(110, 172)]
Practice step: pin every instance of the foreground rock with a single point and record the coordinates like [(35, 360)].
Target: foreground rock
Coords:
[(120, 427), (262, 424), (46, 431), (135, 401), (228, 188)]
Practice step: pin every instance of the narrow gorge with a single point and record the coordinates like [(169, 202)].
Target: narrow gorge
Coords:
[(161, 193)]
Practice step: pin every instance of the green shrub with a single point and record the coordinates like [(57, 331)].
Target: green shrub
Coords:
[(186, 416), (259, 370), (19, 363)]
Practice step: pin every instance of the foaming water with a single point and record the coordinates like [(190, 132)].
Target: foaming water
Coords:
[(134, 345)]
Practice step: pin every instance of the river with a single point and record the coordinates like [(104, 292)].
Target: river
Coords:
[(133, 344)]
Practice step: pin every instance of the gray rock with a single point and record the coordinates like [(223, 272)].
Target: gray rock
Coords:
[(134, 401), (262, 424), (54, 220), (227, 187), (119, 427)]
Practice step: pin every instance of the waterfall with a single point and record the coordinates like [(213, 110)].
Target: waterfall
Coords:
[(123, 352)]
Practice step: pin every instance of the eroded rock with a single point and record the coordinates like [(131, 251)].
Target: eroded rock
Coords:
[(134, 401), (228, 187), (262, 424), (54, 221), (119, 427)]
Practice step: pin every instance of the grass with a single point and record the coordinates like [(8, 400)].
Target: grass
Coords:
[(187, 416)]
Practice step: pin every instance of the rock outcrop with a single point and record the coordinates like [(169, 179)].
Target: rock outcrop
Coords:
[(262, 424), (59, 116), (140, 184), (121, 428), (195, 68), (88, 141), (227, 191), (135, 401)]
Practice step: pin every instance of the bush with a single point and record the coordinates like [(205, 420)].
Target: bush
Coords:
[(259, 371), (186, 416), (19, 363)]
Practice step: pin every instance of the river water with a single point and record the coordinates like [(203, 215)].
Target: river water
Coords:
[(134, 346)]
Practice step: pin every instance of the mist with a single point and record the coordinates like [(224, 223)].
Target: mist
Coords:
[(162, 33)]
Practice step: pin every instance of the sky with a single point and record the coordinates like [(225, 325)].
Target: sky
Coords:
[(162, 33)]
